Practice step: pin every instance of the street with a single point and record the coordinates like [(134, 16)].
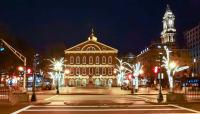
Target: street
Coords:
[(99, 103)]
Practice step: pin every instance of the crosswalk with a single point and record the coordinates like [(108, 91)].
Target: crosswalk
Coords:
[(110, 109)]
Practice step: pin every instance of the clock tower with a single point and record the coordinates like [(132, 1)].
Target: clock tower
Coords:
[(169, 31)]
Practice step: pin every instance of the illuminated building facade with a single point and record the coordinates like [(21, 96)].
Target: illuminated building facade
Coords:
[(169, 31), (91, 62)]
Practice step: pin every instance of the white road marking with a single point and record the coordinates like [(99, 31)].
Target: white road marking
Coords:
[(102, 110), (21, 110), (28, 109), (106, 106), (184, 108), (50, 97)]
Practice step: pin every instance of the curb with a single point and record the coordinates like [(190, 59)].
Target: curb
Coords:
[(41, 102), (91, 104)]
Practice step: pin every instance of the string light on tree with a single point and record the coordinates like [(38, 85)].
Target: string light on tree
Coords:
[(171, 67)]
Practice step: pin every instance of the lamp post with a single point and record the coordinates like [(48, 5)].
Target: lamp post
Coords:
[(35, 63), (160, 95)]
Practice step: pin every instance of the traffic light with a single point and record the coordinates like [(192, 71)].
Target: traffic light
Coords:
[(155, 69), (29, 71), (37, 59), (1, 47)]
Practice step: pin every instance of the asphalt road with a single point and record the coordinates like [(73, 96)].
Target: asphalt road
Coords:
[(137, 109), (100, 104)]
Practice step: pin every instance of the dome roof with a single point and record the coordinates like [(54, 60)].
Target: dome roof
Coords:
[(92, 37)]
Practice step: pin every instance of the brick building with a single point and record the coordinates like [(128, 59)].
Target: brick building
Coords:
[(90, 62)]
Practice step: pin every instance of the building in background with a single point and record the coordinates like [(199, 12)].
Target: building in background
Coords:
[(150, 57), (169, 31), (129, 58), (91, 62), (192, 37)]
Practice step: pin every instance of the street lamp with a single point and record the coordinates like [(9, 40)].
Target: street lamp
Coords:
[(160, 95), (35, 63)]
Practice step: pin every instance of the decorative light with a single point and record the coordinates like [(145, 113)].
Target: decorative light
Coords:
[(57, 64), (141, 71), (136, 70), (20, 68), (115, 71), (172, 65), (67, 71), (57, 67)]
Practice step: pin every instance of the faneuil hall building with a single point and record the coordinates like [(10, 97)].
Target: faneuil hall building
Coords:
[(91, 62)]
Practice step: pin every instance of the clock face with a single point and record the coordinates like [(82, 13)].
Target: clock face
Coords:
[(165, 25), (170, 22)]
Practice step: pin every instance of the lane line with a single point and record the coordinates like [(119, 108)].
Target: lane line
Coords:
[(21, 110), (100, 110), (185, 108), (50, 97), (107, 106)]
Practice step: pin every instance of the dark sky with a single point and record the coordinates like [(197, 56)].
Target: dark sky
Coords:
[(128, 25)]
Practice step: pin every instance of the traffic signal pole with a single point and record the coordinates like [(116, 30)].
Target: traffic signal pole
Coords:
[(20, 56)]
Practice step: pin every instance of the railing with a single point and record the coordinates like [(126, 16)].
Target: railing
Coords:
[(192, 93), (4, 94)]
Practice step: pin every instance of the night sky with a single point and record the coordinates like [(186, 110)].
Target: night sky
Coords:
[(128, 25)]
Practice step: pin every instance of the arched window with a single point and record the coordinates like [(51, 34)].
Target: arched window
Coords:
[(77, 71), (90, 60), (109, 60), (71, 71), (90, 71), (97, 60), (109, 71), (103, 60), (71, 60), (91, 49), (97, 71), (104, 71), (84, 71), (84, 60), (78, 60)]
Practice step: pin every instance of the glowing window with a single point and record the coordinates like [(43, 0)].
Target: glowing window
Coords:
[(90, 60), (71, 60), (97, 60), (104, 71), (84, 71), (110, 71), (103, 60), (97, 71), (78, 60), (84, 60), (109, 60)]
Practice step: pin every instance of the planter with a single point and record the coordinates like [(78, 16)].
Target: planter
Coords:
[(19, 97), (176, 98)]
